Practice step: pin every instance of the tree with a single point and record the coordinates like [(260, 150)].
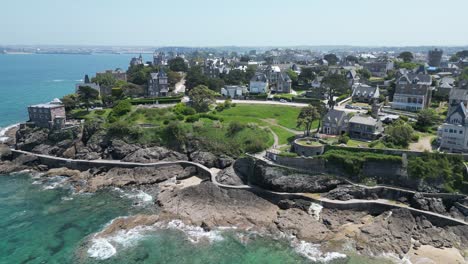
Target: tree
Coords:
[(406, 56), (105, 79), (195, 77), (351, 58), (173, 78), (139, 74), (293, 76), (365, 73), (87, 95), (245, 58), (70, 101), (399, 133), (215, 84), (427, 118), (307, 75), (306, 117), (122, 108), (202, 97), (334, 85), (331, 58), (234, 77), (178, 65)]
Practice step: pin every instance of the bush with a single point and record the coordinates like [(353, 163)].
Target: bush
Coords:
[(254, 146), (235, 127), (343, 139), (122, 108), (415, 138), (123, 129), (183, 109)]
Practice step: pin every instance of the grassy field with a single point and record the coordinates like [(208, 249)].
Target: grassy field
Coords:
[(284, 115)]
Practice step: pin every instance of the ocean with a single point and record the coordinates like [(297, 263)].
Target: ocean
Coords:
[(46, 222)]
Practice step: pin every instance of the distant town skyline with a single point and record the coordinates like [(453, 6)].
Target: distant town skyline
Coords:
[(234, 23)]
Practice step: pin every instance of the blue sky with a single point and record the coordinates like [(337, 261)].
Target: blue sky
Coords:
[(235, 22)]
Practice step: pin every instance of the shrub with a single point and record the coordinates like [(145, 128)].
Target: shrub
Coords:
[(235, 127), (183, 109), (122, 108), (123, 129), (100, 112), (254, 146), (343, 139)]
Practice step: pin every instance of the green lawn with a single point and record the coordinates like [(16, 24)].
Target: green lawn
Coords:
[(284, 136), (284, 115)]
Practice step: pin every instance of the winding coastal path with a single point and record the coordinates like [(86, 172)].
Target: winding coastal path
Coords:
[(212, 175)]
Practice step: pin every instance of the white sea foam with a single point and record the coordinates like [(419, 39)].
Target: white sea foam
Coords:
[(140, 196), (106, 247), (312, 251), (314, 210), (101, 249), (195, 234), (3, 131), (55, 182)]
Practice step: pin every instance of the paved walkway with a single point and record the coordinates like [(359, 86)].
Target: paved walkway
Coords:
[(213, 174)]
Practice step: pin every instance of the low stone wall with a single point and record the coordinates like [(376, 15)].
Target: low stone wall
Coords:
[(308, 164), (82, 165), (307, 150)]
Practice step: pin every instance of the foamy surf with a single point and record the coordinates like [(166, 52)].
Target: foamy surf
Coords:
[(3, 137), (106, 247), (312, 251)]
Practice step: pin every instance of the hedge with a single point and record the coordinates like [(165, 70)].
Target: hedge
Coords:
[(160, 100)]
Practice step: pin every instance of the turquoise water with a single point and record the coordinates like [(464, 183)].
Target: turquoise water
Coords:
[(31, 79)]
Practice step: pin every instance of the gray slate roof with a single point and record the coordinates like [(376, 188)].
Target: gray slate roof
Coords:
[(363, 120)]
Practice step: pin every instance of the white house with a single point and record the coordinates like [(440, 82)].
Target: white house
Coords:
[(233, 91), (453, 134), (259, 84)]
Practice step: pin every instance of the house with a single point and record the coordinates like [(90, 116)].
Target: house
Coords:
[(379, 68), (259, 84), (335, 122), (279, 80), (453, 134), (159, 58), (49, 115), (366, 128), (352, 77), (456, 97), (364, 93), (413, 92), (136, 61), (118, 74), (233, 91), (317, 82), (446, 85), (158, 84)]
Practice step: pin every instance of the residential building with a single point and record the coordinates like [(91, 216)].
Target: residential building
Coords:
[(259, 84), (434, 57), (317, 82), (413, 92), (136, 61), (279, 81), (379, 68), (118, 74), (50, 115), (364, 93), (365, 127), (233, 91), (352, 77), (335, 122), (158, 84), (159, 58), (458, 96), (453, 134)]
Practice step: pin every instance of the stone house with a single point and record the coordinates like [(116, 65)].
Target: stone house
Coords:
[(379, 68), (352, 77), (279, 81), (456, 97), (88, 83), (136, 61), (453, 134), (49, 115), (317, 82), (364, 93), (159, 59), (366, 128), (158, 84), (259, 84), (413, 92), (335, 122)]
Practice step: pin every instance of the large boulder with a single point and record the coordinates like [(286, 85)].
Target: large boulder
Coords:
[(286, 180), (154, 154), (210, 160), (119, 149), (428, 204), (28, 138), (5, 152)]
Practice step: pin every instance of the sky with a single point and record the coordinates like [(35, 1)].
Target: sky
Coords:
[(235, 22)]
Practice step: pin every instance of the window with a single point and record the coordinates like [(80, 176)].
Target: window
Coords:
[(460, 132), (451, 131)]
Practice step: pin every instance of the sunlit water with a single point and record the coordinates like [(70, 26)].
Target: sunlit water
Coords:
[(47, 223)]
